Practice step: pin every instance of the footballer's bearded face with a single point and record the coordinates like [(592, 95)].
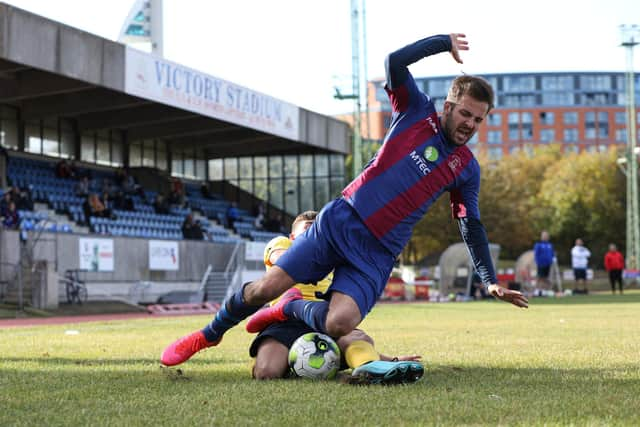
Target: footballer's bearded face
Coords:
[(461, 120)]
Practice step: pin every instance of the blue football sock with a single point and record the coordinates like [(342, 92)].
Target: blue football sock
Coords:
[(313, 313), (232, 312)]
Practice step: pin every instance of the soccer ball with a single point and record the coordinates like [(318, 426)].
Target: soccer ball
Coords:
[(315, 356)]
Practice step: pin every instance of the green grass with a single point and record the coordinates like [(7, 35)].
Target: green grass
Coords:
[(569, 361)]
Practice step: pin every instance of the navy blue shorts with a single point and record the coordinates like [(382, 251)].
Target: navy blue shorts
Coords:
[(338, 241), (543, 272), (285, 333), (580, 273)]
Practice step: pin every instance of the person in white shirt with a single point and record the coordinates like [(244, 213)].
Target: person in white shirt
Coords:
[(579, 261)]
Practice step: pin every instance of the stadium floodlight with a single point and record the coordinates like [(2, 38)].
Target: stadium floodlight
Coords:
[(355, 95), (144, 25), (630, 37)]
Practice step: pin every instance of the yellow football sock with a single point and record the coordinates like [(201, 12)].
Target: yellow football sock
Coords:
[(360, 352)]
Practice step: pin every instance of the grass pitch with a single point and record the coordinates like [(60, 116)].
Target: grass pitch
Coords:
[(568, 361)]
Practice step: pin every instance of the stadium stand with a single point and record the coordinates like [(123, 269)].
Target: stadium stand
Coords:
[(59, 194)]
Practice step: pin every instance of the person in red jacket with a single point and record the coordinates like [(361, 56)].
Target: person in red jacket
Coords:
[(614, 264)]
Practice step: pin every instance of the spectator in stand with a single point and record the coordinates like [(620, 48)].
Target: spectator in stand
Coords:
[(544, 256), (82, 189), (174, 198), (614, 264), (123, 202), (64, 170), (4, 157), (108, 205), (4, 203), (128, 183), (94, 207), (190, 229), (232, 214), (161, 205), (177, 194), (15, 194), (121, 174), (108, 188), (258, 223), (10, 218), (579, 262), (258, 212), (204, 190), (198, 232), (24, 200)]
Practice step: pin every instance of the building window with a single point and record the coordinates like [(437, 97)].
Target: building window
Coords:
[(621, 135), (621, 117), (215, 170), (88, 147), (161, 155), (603, 131), (547, 135), (518, 101), (135, 154), (595, 82), (557, 98), (8, 127), (593, 98), (494, 119), (570, 118), (603, 117), (231, 168), (558, 83), (570, 135), (474, 139), (547, 117), (494, 137), (518, 83), (438, 87), (527, 118), (514, 134), (514, 118), (527, 132)]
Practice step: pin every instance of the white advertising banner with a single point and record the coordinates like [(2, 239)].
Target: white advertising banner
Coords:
[(157, 79), (163, 255), (254, 251), (96, 254)]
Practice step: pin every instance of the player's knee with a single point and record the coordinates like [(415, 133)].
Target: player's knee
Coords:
[(339, 325), (266, 371)]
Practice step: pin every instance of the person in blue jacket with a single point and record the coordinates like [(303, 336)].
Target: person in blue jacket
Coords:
[(544, 255)]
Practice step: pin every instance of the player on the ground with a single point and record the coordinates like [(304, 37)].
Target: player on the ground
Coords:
[(359, 235), (271, 346)]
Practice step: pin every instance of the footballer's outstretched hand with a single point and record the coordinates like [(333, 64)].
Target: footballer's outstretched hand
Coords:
[(458, 43), (407, 358), (514, 297)]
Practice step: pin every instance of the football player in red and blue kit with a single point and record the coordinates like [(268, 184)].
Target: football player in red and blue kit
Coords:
[(359, 235)]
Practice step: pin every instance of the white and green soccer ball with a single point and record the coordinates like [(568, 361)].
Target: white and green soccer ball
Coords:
[(314, 355)]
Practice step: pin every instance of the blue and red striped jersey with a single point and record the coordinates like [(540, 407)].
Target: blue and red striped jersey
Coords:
[(415, 164)]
